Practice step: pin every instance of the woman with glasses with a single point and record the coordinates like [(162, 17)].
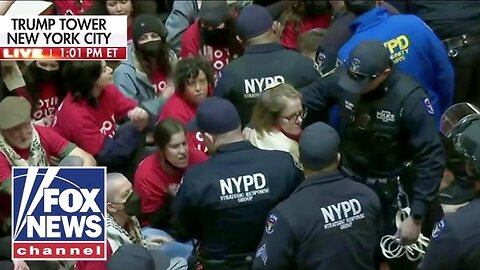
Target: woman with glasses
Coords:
[(277, 119)]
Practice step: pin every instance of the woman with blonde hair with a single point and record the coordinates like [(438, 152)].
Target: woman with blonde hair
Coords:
[(277, 119)]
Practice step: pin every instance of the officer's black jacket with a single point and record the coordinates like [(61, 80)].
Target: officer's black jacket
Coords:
[(448, 18), (223, 202), (455, 243), (243, 80), (329, 222), (417, 135)]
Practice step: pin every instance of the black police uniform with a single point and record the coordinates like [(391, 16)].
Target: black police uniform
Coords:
[(455, 242), (337, 229), (457, 23), (244, 79), (381, 132), (223, 202)]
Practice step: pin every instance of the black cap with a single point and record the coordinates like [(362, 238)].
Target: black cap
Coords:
[(366, 61), (214, 12), (146, 23), (318, 146), (253, 21), (215, 116), (137, 257)]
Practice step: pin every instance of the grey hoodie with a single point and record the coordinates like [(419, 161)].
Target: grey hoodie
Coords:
[(134, 83)]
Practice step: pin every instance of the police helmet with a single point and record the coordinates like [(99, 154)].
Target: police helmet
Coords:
[(461, 124)]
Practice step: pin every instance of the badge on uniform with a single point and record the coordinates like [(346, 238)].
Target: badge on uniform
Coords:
[(272, 219), (262, 253), (438, 228), (428, 106)]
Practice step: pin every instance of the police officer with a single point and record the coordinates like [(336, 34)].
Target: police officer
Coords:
[(455, 242), (223, 202), (339, 232), (386, 122), (414, 47), (265, 61), (457, 23)]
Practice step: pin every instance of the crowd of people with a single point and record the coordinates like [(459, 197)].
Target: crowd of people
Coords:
[(260, 134)]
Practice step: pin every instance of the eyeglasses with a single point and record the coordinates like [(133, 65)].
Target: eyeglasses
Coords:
[(293, 118), (129, 193)]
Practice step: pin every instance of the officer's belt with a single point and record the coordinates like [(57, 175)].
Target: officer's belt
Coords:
[(460, 41), (229, 259), (366, 180)]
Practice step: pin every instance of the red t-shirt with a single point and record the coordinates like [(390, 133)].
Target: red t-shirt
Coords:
[(86, 126), (95, 265), (177, 107), (129, 33), (190, 46), (53, 144), (49, 99), (64, 7), (159, 81), (290, 33), (151, 181)]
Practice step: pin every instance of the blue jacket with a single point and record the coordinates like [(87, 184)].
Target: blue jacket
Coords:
[(413, 46), (135, 84)]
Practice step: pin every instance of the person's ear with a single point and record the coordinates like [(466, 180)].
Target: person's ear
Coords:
[(111, 209)]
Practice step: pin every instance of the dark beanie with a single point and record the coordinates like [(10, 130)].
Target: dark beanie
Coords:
[(253, 21), (146, 23)]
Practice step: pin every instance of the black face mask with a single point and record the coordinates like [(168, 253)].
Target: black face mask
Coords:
[(45, 75), (151, 48), (315, 8), (215, 37), (133, 205)]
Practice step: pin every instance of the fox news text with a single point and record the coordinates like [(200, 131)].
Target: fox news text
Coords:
[(58, 213), (63, 38)]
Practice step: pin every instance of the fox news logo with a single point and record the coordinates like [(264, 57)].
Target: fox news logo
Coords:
[(58, 213)]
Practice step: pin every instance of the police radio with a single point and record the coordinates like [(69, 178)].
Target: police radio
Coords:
[(461, 124)]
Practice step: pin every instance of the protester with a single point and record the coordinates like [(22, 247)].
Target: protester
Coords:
[(157, 177), (265, 61), (213, 35), (123, 227), (90, 112), (194, 80), (302, 16), (23, 144), (72, 7), (145, 75), (44, 90), (184, 13), (277, 119)]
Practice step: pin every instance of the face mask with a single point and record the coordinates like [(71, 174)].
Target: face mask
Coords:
[(315, 8), (46, 75), (133, 205), (151, 48), (215, 37)]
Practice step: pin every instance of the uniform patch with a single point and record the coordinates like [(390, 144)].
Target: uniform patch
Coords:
[(269, 227), (262, 253), (297, 163), (320, 62), (428, 106), (438, 228)]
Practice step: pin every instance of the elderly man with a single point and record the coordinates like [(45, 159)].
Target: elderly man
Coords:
[(123, 227), (23, 144)]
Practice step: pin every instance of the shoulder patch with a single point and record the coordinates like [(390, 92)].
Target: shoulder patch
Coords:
[(269, 227), (438, 229), (297, 163), (428, 106), (262, 253)]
